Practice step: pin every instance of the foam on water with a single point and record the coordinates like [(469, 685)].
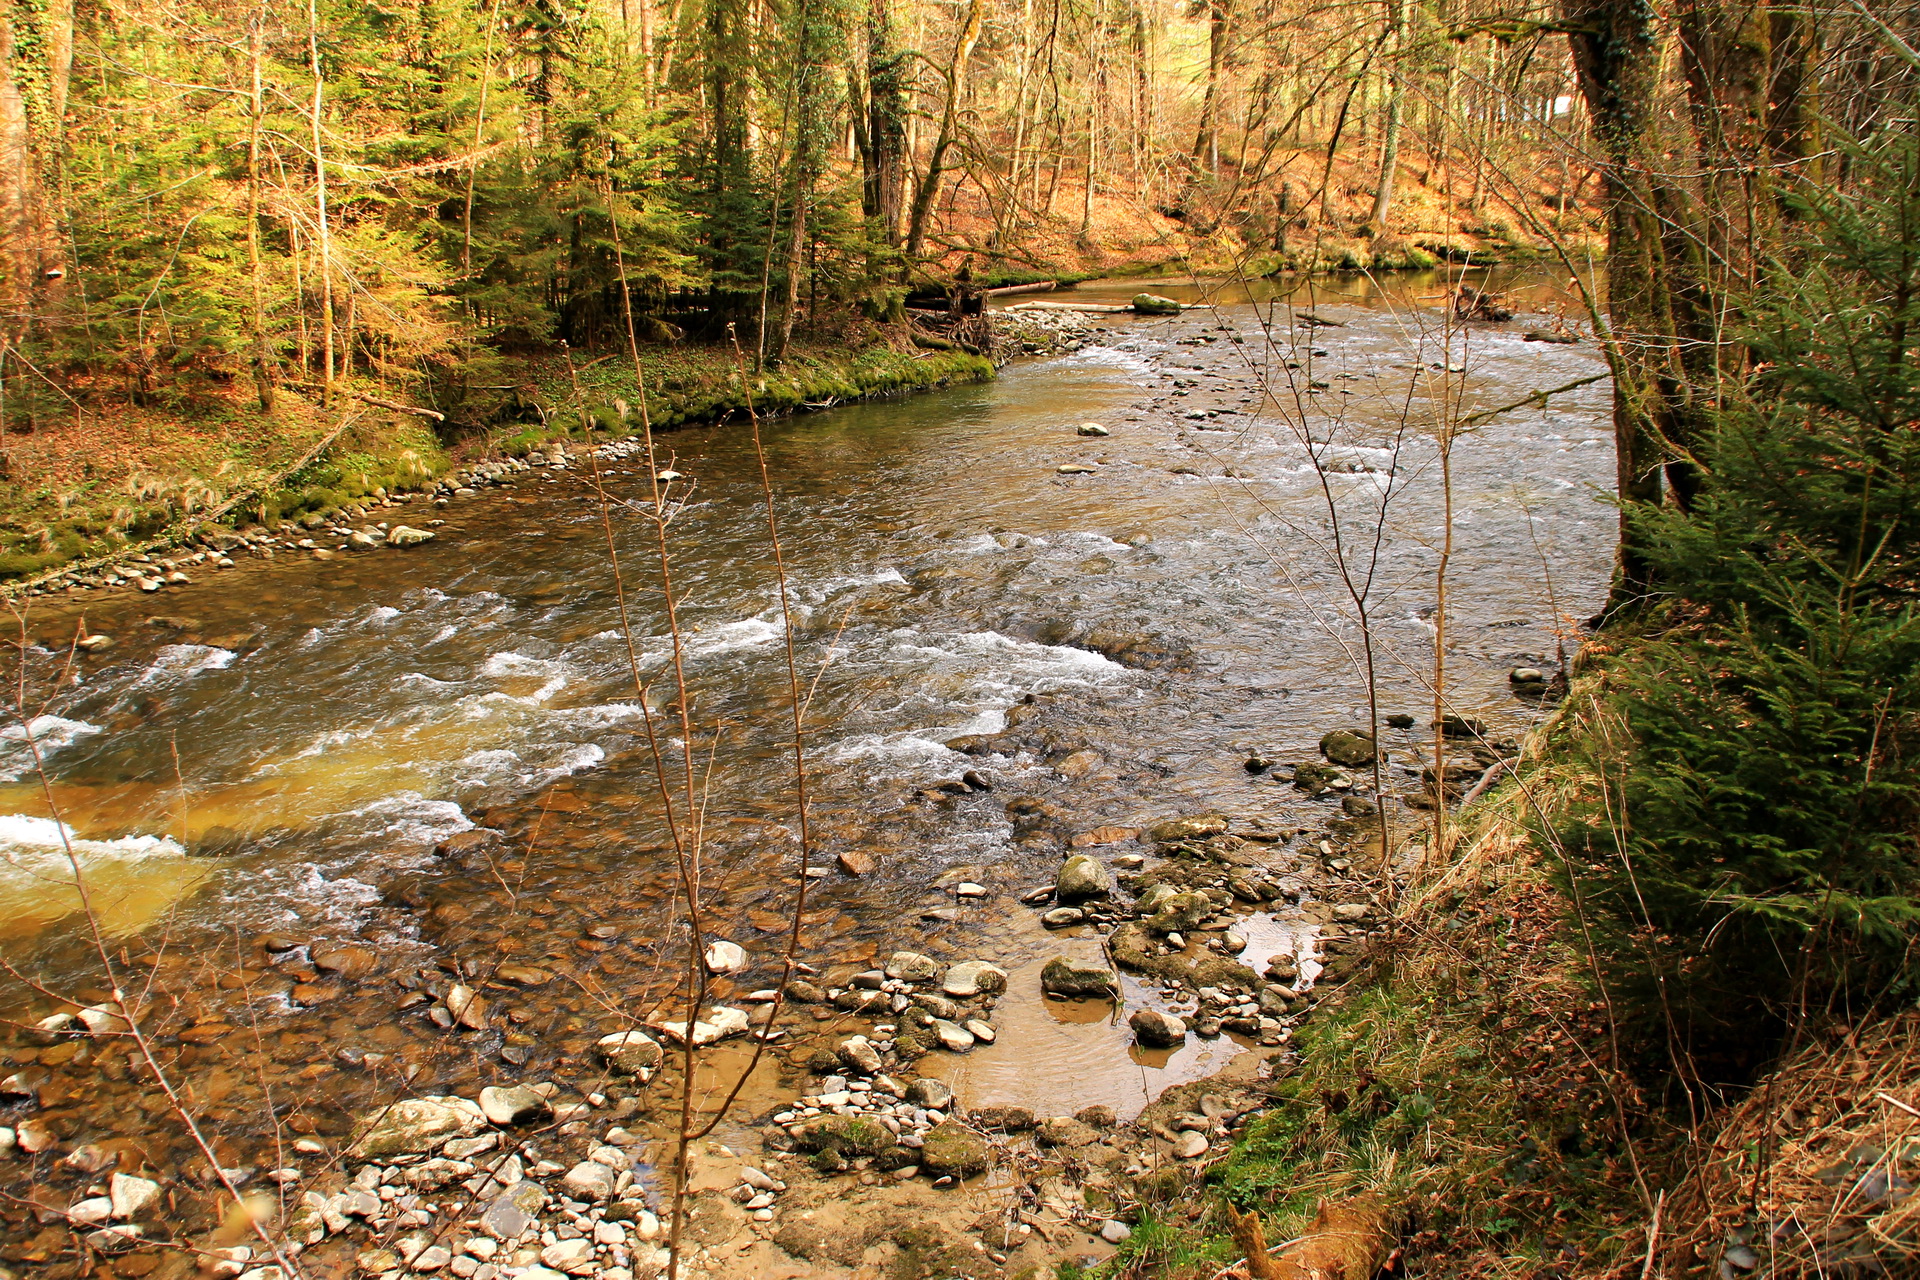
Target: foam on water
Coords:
[(49, 733), (38, 846), (184, 661)]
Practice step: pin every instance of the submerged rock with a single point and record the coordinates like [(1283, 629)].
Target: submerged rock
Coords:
[(1196, 827)]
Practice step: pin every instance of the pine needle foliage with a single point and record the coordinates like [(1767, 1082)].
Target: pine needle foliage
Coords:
[(1754, 852)]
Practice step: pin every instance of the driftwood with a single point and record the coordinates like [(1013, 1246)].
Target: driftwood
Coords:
[(1007, 291)]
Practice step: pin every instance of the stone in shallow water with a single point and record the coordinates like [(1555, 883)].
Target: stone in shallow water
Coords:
[(911, 966), (972, 977), (515, 1104), (590, 1180), (513, 1211), (1082, 878), (131, 1195), (1157, 1030), (415, 1126), (1063, 976)]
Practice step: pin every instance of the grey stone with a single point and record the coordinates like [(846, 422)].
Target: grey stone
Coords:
[(415, 1126), (513, 1211), (131, 1196), (515, 1104), (589, 1180), (911, 966), (1083, 878), (1067, 977), (930, 1093), (630, 1051), (973, 977)]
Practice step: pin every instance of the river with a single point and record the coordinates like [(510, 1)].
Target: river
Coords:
[(277, 749)]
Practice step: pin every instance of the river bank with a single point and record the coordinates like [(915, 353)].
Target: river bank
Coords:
[(108, 508)]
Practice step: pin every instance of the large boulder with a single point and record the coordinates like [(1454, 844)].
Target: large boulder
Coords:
[(416, 1126), (1083, 878), (1063, 976), (1152, 304)]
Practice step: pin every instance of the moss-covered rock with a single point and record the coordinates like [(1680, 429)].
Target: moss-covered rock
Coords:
[(950, 1150)]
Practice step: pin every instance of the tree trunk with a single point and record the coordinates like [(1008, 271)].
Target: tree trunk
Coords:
[(929, 185), (262, 359), (36, 58), (1206, 142), (1396, 107), (886, 124), (1617, 54)]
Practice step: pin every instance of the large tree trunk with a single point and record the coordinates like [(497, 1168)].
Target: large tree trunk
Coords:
[(1396, 109), (1617, 54), (1206, 141), (886, 125), (36, 58)]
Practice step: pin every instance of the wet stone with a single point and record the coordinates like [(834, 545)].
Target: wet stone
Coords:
[(1064, 976), (515, 1104), (973, 977)]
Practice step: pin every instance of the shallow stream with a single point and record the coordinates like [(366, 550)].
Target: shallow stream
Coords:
[(278, 749)]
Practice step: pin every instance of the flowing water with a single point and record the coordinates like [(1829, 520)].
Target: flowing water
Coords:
[(279, 749)]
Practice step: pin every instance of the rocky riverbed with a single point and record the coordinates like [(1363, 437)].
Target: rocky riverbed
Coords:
[(1094, 825)]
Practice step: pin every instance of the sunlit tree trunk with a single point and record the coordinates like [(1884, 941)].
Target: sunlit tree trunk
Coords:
[(36, 57)]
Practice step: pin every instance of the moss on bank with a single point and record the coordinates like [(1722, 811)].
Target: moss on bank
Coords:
[(140, 477)]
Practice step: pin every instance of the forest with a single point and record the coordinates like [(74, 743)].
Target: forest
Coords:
[(1178, 639), (234, 215)]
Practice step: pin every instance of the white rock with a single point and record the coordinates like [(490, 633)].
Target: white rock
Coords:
[(131, 1196), (1190, 1145), (725, 957), (955, 1038), (90, 1211), (571, 1256)]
